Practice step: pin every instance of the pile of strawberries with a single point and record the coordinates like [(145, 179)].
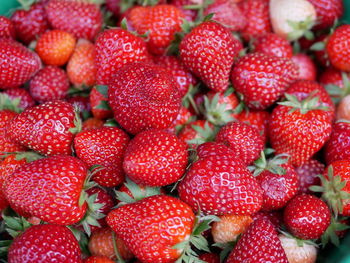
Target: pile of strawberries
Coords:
[(174, 131)]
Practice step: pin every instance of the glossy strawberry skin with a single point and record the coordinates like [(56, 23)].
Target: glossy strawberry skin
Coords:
[(143, 96), (308, 175), (45, 128), (97, 259), (257, 119), (17, 64), (211, 181), (262, 79), (307, 216), (26, 100), (214, 149), (7, 28), (336, 148), (155, 158), (327, 12), (157, 222), (45, 242), (339, 57), (56, 182), (209, 51), (273, 45), (92, 123), (114, 49), (306, 67), (106, 147), (82, 19)]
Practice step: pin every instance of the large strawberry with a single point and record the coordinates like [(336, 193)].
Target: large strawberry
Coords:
[(143, 96), (48, 128), (262, 79), (209, 51), (114, 49), (17, 64), (339, 57), (45, 243), (105, 147), (337, 147), (155, 158), (82, 19)]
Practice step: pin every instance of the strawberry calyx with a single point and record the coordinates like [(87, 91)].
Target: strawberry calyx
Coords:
[(304, 106), (103, 90), (330, 235), (82, 239), (336, 92), (26, 4), (206, 134), (6, 103), (300, 242), (188, 100), (301, 28), (28, 156), (78, 124), (273, 165)]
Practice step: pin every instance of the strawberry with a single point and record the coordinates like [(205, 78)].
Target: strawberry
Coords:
[(296, 251), (7, 28), (336, 83), (262, 79), (114, 49), (259, 243), (209, 186), (50, 83), (299, 128), (275, 217), (26, 100), (307, 217), (339, 57), (210, 258), (214, 149), (189, 14), (55, 47), (46, 243), (57, 184), (197, 132), (82, 19), (92, 123), (81, 68), (155, 158), (336, 148), (181, 120), (106, 147), (80, 103), (343, 110), (151, 227), (113, 6), (230, 227), (99, 102), (257, 17), (257, 119), (143, 96), (306, 67), (273, 45), (243, 139), (17, 64), (209, 51), (48, 128), (183, 77), (328, 11), (308, 175), (96, 259), (31, 23)]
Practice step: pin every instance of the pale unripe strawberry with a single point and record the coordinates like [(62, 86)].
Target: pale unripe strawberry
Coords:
[(306, 253)]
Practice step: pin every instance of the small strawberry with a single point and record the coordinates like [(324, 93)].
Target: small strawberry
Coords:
[(273, 45), (17, 64), (339, 57), (262, 79), (48, 128), (210, 258), (296, 251), (343, 110), (46, 243), (7, 28), (308, 175), (259, 243), (306, 66), (155, 158), (209, 51), (92, 123), (26, 100), (50, 83), (105, 147), (82, 19), (55, 47), (97, 259), (257, 119), (143, 96), (328, 11), (99, 102), (307, 217), (81, 68), (243, 139)]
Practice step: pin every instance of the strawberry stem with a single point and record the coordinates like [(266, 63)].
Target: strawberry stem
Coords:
[(115, 248)]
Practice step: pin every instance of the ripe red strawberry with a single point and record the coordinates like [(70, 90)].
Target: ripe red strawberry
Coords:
[(82, 19), (183, 77), (210, 183), (296, 251), (143, 96), (209, 51), (106, 147), (81, 68), (151, 227), (197, 132), (31, 23), (46, 243), (332, 76), (307, 173), (50, 83), (48, 128), (262, 79), (257, 17), (114, 49), (257, 119), (299, 128), (275, 217), (56, 184), (273, 45), (23, 95), (99, 102), (181, 120), (339, 57), (92, 123), (337, 147), (214, 149), (210, 258), (307, 217), (7, 28), (259, 243), (327, 12), (155, 158), (17, 64), (243, 139), (97, 259), (306, 67)]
